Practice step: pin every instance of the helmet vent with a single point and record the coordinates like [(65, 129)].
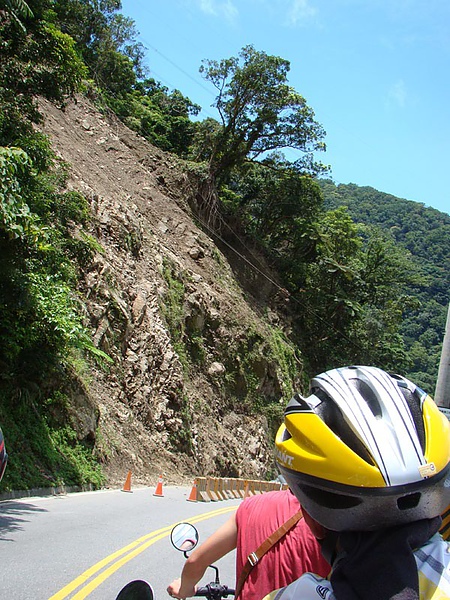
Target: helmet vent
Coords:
[(409, 501), (330, 499), (414, 402), (332, 415), (286, 435), (369, 396)]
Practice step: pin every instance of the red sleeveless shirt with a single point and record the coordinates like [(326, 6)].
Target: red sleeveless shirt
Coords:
[(294, 554)]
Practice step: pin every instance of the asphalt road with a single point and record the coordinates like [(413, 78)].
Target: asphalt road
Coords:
[(90, 545)]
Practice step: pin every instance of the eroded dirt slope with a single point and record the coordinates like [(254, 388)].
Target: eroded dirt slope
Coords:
[(147, 413)]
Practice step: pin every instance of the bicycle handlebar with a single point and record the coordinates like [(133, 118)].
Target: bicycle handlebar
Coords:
[(215, 591)]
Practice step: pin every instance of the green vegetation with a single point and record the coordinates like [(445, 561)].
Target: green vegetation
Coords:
[(42, 330), (365, 276), (259, 113), (418, 243), (172, 309), (43, 447)]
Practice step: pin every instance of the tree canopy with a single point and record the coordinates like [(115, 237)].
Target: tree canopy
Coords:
[(259, 113), (422, 234)]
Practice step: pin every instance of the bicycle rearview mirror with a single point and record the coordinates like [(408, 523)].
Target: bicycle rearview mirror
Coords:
[(184, 537)]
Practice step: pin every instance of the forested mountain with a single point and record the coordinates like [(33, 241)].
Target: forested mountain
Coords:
[(166, 283), (424, 233)]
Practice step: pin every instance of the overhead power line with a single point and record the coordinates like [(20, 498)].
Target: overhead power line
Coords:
[(273, 282)]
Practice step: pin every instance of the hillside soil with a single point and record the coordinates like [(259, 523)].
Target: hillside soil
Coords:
[(149, 412)]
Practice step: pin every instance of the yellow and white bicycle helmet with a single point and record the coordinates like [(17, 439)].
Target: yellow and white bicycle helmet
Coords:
[(365, 450)]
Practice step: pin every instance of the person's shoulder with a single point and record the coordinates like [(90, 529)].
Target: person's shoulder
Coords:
[(435, 547), (274, 497), (307, 587), (433, 563), (437, 542), (257, 498)]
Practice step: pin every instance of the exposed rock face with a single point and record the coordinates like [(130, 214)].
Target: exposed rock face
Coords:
[(162, 301)]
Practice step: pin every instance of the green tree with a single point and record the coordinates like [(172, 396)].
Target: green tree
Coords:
[(17, 9), (105, 39), (162, 117), (422, 234), (277, 207), (259, 113), (352, 303), (40, 61)]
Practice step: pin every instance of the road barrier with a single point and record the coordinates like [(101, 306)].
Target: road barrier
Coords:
[(215, 489)]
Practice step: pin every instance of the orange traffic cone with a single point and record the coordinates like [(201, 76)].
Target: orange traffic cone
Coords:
[(159, 489), (127, 484), (193, 494)]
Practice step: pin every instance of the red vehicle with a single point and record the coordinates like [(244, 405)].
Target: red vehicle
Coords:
[(3, 455)]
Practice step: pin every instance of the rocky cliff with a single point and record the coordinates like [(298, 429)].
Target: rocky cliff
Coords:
[(199, 353)]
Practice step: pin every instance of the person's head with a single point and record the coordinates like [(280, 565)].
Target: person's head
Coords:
[(3, 455), (365, 450)]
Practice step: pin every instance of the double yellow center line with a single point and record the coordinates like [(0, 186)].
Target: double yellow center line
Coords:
[(88, 583)]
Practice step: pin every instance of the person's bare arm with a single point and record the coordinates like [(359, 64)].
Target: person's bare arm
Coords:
[(217, 545)]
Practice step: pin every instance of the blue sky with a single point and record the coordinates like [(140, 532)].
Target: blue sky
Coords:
[(375, 72)]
